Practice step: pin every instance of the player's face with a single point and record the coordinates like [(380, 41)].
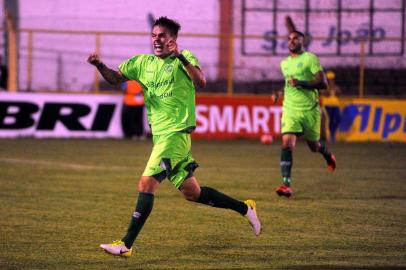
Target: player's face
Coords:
[(160, 37), (295, 43)]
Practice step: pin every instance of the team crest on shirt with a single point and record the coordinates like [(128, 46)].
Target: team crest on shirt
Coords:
[(168, 68), (299, 65)]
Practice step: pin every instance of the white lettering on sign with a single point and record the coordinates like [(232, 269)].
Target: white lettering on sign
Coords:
[(221, 121), (237, 119)]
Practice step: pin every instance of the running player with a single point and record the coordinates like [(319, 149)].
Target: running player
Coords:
[(168, 78), (301, 112)]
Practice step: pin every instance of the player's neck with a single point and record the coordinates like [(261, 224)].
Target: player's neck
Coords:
[(163, 57), (296, 54)]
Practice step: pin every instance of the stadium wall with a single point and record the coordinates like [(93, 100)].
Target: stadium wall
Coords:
[(63, 56), (323, 21), (259, 31), (217, 117)]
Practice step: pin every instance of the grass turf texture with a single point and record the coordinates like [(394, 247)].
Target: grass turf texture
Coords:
[(61, 198)]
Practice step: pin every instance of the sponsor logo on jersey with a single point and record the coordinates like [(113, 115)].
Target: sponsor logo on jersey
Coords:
[(168, 68), (154, 85)]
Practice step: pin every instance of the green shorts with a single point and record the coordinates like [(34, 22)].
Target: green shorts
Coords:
[(171, 158), (305, 123)]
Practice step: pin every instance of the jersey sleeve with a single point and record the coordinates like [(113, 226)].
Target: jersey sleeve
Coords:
[(131, 67), (315, 65), (282, 68), (191, 58)]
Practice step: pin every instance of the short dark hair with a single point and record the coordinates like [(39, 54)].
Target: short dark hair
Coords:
[(298, 33), (172, 25)]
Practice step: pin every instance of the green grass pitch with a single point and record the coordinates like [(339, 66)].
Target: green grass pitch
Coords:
[(59, 199)]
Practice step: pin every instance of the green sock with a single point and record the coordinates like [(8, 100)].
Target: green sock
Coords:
[(143, 209), (286, 165), (286, 181), (325, 152), (212, 197)]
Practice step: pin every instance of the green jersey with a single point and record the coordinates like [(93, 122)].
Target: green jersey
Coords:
[(302, 67), (169, 92)]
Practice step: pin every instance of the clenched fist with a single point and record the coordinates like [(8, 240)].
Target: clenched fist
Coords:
[(173, 47), (94, 59)]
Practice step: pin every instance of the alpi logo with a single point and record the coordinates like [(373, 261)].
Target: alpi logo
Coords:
[(23, 115), (371, 119)]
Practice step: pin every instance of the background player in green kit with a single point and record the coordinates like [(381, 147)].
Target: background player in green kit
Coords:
[(168, 78), (301, 112)]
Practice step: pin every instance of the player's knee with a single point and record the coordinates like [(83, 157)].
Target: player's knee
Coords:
[(288, 142), (288, 145), (191, 195), (147, 184), (142, 186), (190, 189)]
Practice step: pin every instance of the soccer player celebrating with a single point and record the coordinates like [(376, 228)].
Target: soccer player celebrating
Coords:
[(301, 113), (168, 78)]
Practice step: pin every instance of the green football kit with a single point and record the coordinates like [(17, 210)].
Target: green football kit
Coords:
[(169, 96), (301, 111)]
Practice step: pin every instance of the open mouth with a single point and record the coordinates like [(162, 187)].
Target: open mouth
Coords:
[(158, 47)]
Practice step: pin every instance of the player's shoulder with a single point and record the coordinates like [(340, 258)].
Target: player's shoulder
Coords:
[(146, 57), (190, 57), (188, 53), (138, 61), (285, 61), (142, 57), (184, 52), (311, 55)]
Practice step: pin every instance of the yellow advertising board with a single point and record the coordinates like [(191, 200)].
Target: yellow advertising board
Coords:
[(355, 119)]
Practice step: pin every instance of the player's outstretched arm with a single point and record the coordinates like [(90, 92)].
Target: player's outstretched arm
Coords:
[(111, 76), (319, 82), (194, 72)]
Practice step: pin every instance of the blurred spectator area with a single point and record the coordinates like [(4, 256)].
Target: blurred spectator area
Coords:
[(378, 82), (239, 44), (386, 82)]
